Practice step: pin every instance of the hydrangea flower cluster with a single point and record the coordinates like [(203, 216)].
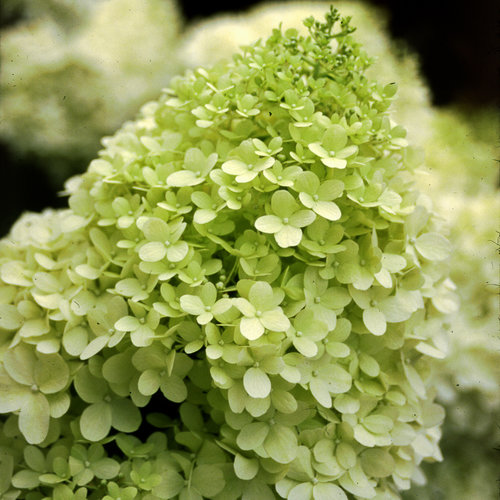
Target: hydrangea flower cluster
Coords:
[(243, 300)]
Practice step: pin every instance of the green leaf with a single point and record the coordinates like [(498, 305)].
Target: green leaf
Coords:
[(208, 480), (95, 422), (433, 246), (245, 468), (281, 444), (34, 418), (256, 383)]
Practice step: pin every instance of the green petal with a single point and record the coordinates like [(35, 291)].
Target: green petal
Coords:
[(252, 435), (256, 383), (177, 251), (328, 210), (330, 190), (234, 167), (334, 162), (192, 304), (106, 468), (275, 320), (20, 364), (302, 491), (268, 224), (129, 287), (374, 320), (302, 218), (149, 382), (433, 246), (51, 373), (208, 480), (184, 178), (245, 468), (173, 388), (95, 422), (24, 479), (327, 491), (91, 389), (364, 437), (305, 346), (34, 418), (75, 340), (319, 390), (251, 328), (125, 416), (281, 444), (171, 484), (339, 380), (283, 204), (10, 318), (378, 424), (288, 236), (95, 346), (152, 251), (307, 182), (261, 295)]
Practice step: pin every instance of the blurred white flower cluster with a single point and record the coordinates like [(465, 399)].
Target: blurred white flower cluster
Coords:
[(74, 71)]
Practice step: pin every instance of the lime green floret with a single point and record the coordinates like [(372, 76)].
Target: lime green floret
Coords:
[(242, 301)]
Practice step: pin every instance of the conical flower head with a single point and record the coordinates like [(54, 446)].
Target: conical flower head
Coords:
[(248, 263)]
